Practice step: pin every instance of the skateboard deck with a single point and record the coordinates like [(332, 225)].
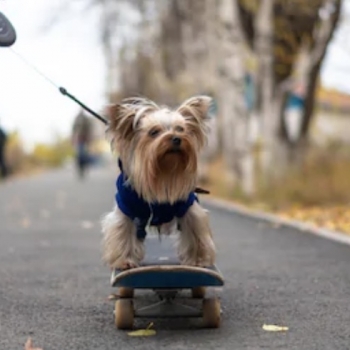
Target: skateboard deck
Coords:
[(162, 272), (161, 269)]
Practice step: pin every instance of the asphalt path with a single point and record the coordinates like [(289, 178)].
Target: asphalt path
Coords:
[(54, 288)]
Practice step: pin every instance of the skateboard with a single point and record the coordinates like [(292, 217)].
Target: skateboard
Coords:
[(162, 273)]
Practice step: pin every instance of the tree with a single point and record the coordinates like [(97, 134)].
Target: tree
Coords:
[(278, 33), (236, 147)]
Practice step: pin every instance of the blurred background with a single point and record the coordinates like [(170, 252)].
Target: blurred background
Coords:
[(278, 72)]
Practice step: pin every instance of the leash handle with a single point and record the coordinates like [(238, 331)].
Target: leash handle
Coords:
[(61, 89), (8, 34)]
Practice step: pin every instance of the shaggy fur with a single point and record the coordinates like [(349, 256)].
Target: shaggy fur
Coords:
[(159, 149)]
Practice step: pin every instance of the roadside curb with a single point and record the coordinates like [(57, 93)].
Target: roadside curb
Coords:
[(275, 219)]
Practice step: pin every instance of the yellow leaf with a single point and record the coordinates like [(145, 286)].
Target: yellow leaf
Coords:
[(274, 328), (29, 345), (143, 332)]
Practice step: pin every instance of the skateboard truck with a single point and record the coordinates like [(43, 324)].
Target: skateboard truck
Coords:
[(167, 307)]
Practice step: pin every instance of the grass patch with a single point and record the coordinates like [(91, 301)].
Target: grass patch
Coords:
[(318, 192)]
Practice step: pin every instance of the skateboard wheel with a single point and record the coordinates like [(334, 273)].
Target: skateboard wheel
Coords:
[(124, 314), (125, 292), (211, 313), (198, 292)]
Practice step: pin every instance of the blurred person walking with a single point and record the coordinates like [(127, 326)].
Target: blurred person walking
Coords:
[(82, 138)]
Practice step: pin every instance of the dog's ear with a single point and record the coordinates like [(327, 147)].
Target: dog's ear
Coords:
[(120, 120), (125, 117), (195, 111), (196, 108)]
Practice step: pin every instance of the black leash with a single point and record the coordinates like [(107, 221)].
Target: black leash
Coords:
[(61, 89), (64, 92)]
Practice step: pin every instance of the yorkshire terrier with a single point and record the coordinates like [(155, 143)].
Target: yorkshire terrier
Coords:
[(158, 152)]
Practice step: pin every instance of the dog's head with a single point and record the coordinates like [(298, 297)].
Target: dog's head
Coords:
[(156, 143)]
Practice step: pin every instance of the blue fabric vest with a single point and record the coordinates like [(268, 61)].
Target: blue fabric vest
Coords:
[(139, 211)]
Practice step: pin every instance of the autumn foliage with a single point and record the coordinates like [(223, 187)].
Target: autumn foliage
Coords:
[(42, 156), (317, 193)]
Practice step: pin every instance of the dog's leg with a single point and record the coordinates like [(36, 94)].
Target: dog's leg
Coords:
[(120, 246), (196, 246)]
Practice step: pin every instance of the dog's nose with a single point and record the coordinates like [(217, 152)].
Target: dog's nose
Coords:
[(176, 141)]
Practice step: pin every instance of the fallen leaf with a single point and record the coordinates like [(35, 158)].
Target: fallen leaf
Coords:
[(274, 328), (29, 345), (333, 218), (143, 332)]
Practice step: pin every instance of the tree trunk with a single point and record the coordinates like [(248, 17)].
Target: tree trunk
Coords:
[(236, 148), (317, 54), (269, 100), (311, 69)]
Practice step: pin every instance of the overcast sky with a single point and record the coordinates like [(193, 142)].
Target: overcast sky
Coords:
[(71, 56)]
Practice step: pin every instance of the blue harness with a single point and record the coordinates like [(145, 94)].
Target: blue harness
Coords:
[(139, 211)]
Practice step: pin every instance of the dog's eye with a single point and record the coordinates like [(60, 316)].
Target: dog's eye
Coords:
[(154, 132), (179, 129)]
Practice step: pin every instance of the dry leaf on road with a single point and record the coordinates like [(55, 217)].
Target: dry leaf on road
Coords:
[(143, 332), (29, 345), (274, 328)]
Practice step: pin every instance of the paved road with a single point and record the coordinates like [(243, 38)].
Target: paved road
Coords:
[(54, 289)]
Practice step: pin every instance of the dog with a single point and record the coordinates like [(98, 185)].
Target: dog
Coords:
[(158, 151)]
